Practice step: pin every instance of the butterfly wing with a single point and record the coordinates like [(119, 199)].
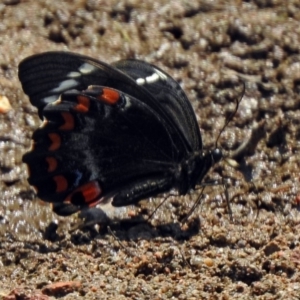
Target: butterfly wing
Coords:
[(168, 93), (45, 76), (100, 143)]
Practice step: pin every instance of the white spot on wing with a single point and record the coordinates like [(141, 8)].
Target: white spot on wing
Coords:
[(74, 74), (128, 102), (153, 78), (65, 85), (50, 99), (86, 68), (56, 102), (158, 75), (140, 81)]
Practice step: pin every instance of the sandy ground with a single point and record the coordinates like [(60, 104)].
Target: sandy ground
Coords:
[(206, 46)]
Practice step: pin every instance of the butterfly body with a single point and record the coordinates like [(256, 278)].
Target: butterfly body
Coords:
[(124, 131)]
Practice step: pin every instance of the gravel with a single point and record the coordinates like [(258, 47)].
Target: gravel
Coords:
[(211, 48)]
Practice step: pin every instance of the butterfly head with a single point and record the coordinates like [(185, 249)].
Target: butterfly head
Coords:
[(216, 155)]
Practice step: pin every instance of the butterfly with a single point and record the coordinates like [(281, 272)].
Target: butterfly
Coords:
[(124, 131)]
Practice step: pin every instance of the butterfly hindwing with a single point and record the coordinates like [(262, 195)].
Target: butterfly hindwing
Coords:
[(100, 143)]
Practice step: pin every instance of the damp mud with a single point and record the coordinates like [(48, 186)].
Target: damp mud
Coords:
[(212, 48)]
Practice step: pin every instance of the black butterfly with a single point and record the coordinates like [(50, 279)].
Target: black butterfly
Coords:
[(124, 131)]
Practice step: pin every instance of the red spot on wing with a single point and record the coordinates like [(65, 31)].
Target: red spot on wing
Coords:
[(61, 183), (55, 141), (83, 104), (109, 96), (52, 163), (68, 121), (89, 194)]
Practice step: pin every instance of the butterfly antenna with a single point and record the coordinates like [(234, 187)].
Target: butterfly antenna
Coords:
[(229, 119), (225, 125)]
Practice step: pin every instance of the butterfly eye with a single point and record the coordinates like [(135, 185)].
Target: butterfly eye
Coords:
[(217, 155)]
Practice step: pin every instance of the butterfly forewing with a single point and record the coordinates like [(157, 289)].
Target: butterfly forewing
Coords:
[(168, 93), (45, 76)]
